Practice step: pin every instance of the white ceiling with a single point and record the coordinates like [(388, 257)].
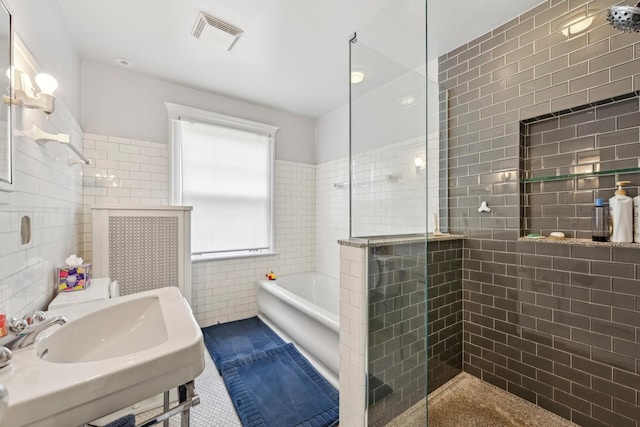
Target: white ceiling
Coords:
[(293, 55)]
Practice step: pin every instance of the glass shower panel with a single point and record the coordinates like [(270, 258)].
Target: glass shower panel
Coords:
[(388, 123), (388, 185)]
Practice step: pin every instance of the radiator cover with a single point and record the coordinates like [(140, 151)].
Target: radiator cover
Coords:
[(143, 248)]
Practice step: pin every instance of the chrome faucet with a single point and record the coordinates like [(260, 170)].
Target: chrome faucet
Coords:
[(26, 337)]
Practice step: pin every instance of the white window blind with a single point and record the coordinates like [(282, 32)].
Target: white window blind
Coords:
[(225, 173)]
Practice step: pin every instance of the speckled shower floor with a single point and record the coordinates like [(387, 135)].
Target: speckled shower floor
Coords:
[(466, 401)]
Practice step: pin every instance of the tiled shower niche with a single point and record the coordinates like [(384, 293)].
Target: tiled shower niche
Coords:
[(397, 331), (570, 158)]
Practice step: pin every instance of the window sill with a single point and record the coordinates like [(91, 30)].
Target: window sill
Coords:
[(216, 257)]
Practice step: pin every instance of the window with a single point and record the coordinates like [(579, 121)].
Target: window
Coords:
[(223, 167)]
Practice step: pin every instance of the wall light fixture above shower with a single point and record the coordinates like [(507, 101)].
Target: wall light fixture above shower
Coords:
[(576, 26)]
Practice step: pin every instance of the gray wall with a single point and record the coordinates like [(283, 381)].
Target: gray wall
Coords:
[(556, 324), (40, 25), (332, 135), (119, 102)]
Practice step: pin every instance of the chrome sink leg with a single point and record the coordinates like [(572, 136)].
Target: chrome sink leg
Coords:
[(188, 399), (187, 393), (166, 407)]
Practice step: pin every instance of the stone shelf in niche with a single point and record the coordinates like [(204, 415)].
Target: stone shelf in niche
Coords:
[(581, 242), (580, 175)]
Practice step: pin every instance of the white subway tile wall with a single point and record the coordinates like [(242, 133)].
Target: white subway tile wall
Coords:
[(311, 214), (389, 190), (123, 172), (49, 190), (332, 213), (353, 327), (225, 290), (136, 172)]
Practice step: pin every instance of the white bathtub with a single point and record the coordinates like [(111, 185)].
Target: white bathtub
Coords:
[(305, 307)]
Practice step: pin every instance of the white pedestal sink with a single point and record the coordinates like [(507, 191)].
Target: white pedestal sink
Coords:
[(111, 354)]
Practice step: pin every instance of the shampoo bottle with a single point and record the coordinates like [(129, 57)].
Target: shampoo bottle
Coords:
[(621, 215), (636, 219)]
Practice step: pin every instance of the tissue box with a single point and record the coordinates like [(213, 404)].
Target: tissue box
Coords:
[(74, 278)]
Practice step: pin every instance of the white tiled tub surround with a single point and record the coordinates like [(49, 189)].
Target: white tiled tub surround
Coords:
[(136, 172), (225, 290), (397, 205), (332, 213), (353, 330), (49, 190)]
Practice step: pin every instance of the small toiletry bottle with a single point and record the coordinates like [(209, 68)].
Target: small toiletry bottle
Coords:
[(3, 325), (600, 222), (621, 208), (636, 219)]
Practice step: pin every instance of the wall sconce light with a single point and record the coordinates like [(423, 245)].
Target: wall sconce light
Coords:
[(420, 163), (25, 95), (577, 26)]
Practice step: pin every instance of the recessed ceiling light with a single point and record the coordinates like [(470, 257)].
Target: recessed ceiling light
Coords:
[(124, 62), (357, 77), (408, 100)]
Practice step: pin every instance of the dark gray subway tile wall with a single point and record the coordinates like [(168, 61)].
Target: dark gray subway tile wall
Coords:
[(556, 324), (444, 312), (397, 329), (594, 138)]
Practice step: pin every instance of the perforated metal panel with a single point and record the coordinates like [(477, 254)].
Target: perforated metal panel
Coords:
[(143, 252)]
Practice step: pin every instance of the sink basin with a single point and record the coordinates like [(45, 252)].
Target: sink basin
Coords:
[(126, 328), (110, 354)]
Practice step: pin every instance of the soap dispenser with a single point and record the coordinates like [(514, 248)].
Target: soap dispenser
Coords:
[(621, 207)]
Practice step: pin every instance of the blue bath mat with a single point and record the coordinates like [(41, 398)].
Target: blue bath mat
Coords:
[(239, 339), (279, 388)]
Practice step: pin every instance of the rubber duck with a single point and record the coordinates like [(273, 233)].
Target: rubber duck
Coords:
[(271, 276)]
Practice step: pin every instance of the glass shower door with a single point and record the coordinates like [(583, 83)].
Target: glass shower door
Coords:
[(388, 207)]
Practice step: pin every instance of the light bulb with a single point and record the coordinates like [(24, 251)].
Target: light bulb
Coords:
[(357, 77), (46, 83)]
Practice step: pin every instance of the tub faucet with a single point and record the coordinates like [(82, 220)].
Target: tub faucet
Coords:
[(27, 336)]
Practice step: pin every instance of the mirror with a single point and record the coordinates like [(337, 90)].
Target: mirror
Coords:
[(6, 146)]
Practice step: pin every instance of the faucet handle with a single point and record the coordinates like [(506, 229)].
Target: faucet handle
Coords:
[(35, 317), (17, 325), (5, 357)]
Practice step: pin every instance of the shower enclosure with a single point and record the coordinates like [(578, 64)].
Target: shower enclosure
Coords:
[(394, 184), (515, 131)]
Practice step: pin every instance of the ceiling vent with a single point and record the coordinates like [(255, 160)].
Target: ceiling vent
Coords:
[(215, 32)]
